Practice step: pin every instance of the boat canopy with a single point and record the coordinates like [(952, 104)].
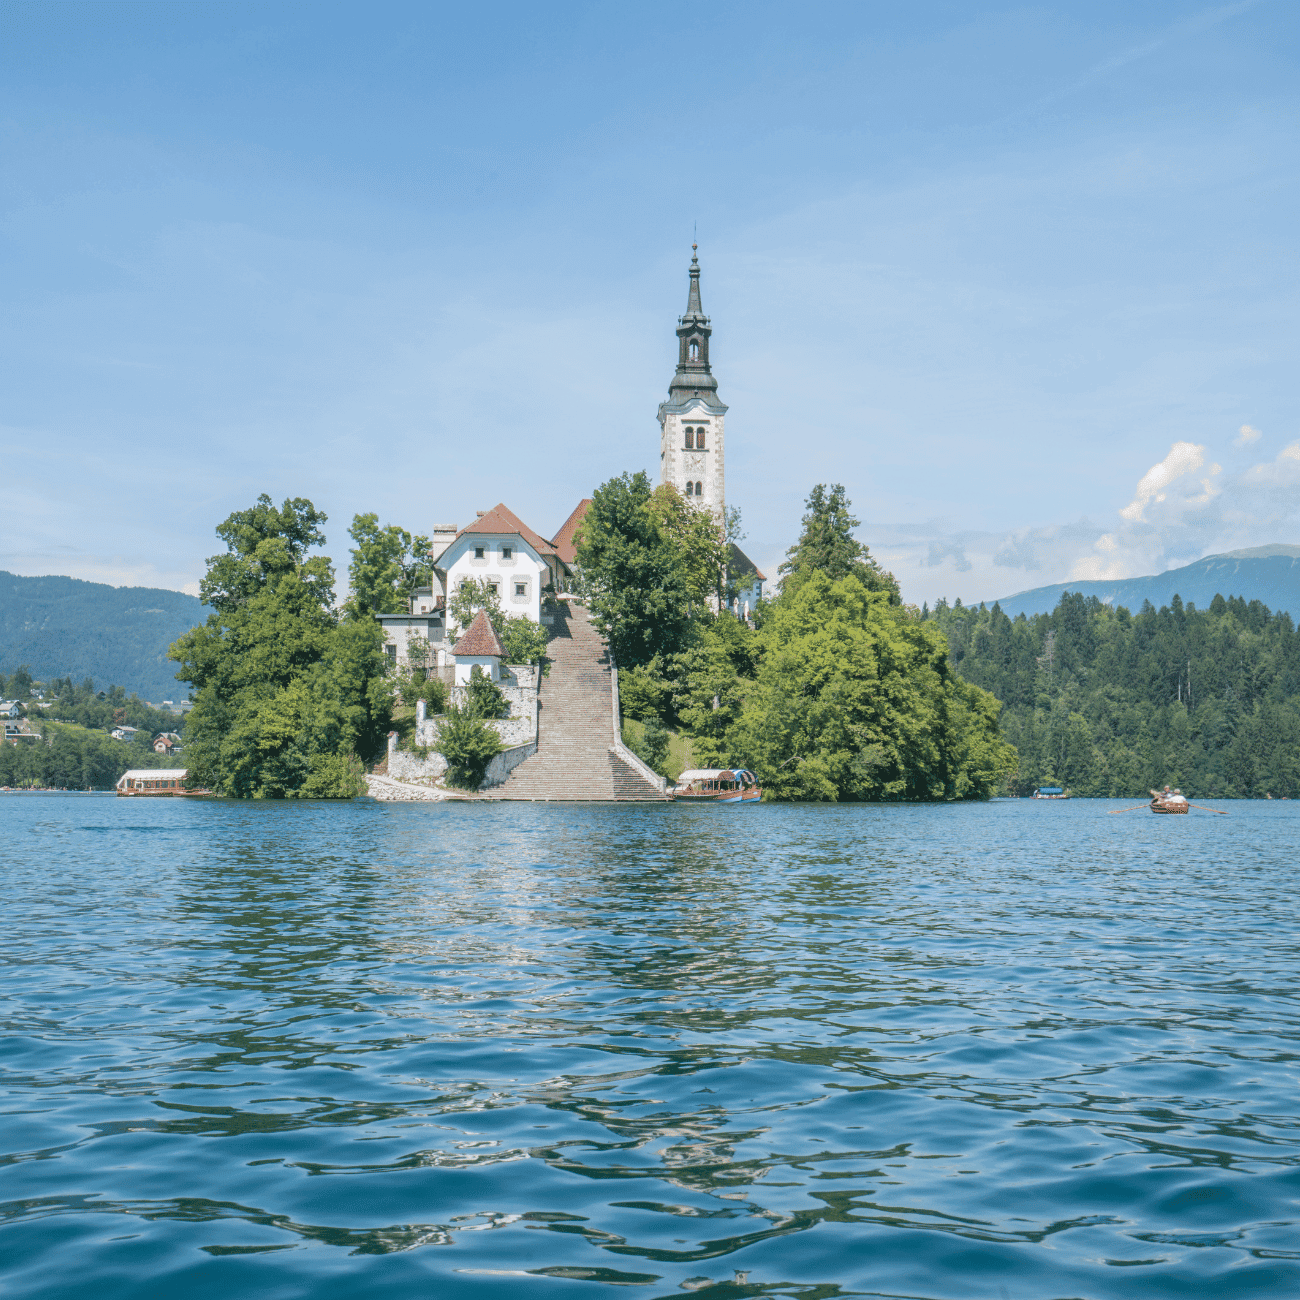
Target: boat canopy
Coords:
[(713, 774), (1050, 789)]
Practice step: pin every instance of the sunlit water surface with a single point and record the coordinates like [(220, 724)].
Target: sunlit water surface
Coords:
[(1010, 1050)]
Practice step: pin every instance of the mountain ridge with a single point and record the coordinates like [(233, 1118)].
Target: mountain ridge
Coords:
[(1270, 574), (118, 636)]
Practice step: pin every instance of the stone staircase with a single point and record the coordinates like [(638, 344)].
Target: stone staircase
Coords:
[(575, 730)]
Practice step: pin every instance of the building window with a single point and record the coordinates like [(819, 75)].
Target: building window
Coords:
[(478, 552), (507, 552), (690, 437), (391, 652), (690, 488), (699, 488), (699, 438), (695, 350), (521, 589), (492, 587)]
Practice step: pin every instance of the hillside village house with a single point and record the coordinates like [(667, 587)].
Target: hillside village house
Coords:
[(10, 709)]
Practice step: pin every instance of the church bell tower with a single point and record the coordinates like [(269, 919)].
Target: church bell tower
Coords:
[(692, 438)]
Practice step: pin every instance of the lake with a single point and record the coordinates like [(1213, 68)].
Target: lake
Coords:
[(1018, 1050)]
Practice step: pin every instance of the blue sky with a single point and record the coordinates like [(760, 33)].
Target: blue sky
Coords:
[(1018, 276)]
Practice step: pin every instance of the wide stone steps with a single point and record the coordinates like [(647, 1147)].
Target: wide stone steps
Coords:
[(575, 759)]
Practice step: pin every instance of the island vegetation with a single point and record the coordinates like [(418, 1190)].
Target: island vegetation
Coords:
[(290, 693), (1107, 702), (838, 692)]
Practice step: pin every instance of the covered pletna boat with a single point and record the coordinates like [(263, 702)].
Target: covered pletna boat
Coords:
[(716, 785), (155, 782)]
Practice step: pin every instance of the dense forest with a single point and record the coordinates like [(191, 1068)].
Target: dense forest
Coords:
[(1107, 702), (89, 629)]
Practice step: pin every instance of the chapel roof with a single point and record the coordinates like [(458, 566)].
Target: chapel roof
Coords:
[(480, 640), (500, 519), (563, 541), (739, 565)]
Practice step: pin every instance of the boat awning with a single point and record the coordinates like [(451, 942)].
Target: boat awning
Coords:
[(1050, 789), (713, 774)]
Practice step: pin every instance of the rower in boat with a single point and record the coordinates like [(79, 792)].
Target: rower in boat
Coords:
[(1169, 801), (717, 785)]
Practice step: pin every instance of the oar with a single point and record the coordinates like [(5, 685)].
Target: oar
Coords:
[(1135, 807), (1203, 808)]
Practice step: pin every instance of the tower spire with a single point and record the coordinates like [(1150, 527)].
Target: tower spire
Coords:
[(693, 307)]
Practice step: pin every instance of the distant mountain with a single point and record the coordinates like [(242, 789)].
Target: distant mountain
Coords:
[(116, 635), (1267, 573)]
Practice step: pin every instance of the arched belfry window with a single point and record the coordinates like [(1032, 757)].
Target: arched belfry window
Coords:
[(690, 488), (699, 438), (699, 488), (695, 349), (690, 437)]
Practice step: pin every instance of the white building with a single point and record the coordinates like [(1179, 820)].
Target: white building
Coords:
[(497, 548), (500, 549), (10, 709), (692, 422), (693, 439)]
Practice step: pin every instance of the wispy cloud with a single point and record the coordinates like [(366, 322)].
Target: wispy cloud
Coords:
[(1246, 436)]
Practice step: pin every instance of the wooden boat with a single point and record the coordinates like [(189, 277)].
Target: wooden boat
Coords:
[(1169, 801), (716, 785), (156, 783)]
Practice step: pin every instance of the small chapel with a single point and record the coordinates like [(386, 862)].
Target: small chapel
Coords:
[(520, 564)]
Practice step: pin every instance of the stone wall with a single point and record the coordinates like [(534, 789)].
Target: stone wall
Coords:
[(414, 770), (405, 766), (505, 762), (520, 691)]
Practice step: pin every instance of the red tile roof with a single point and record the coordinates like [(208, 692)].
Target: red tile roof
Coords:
[(563, 540), (480, 639), (501, 520)]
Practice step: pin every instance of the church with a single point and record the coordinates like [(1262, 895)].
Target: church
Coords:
[(520, 564)]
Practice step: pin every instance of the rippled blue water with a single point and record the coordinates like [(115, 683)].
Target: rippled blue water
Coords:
[(1011, 1050)]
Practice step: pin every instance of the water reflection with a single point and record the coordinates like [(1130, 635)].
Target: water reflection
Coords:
[(657, 1047)]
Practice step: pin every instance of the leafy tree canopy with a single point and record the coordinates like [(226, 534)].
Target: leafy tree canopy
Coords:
[(644, 565), (827, 545), (852, 699), (288, 699), (388, 565)]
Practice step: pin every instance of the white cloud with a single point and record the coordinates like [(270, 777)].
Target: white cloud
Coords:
[(1182, 459), (1246, 435)]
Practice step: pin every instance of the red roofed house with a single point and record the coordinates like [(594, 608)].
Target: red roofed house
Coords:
[(500, 549), (478, 647)]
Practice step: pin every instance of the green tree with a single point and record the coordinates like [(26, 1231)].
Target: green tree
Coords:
[(388, 564), (288, 698), (472, 595), (854, 700), (639, 583), (20, 683), (827, 545), (523, 640)]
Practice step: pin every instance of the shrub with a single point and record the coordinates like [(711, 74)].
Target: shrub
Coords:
[(485, 698), (468, 744)]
